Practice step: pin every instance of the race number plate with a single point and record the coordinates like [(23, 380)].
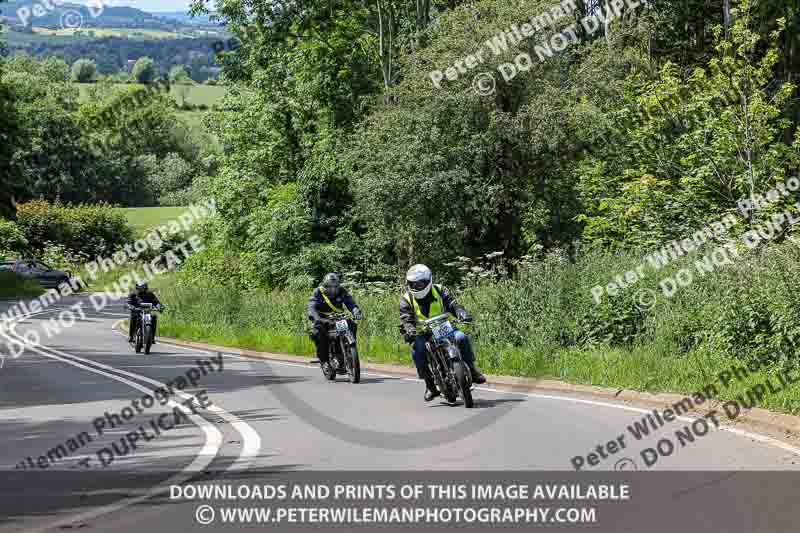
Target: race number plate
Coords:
[(443, 330), (341, 325)]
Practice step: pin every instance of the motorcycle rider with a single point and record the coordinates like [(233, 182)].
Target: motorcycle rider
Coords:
[(327, 299), (424, 300), (139, 296)]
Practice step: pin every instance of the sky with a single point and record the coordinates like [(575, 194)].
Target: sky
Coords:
[(152, 5)]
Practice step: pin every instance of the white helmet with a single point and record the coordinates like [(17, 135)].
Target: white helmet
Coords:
[(419, 279)]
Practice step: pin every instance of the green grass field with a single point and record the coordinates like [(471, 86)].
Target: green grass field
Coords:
[(130, 33), (192, 94), (198, 94), (144, 218)]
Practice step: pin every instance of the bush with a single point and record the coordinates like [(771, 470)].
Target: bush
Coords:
[(83, 71), (182, 197), (178, 74), (12, 240), (59, 256), (91, 230), (144, 70)]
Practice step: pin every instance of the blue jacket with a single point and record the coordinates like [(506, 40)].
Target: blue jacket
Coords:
[(317, 306)]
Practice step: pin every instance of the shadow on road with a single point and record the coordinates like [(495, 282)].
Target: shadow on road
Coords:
[(480, 403)]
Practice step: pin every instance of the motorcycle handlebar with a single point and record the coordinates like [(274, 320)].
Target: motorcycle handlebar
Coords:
[(339, 316), (441, 318), (436, 318)]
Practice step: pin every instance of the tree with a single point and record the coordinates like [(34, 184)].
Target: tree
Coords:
[(84, 71), (9, 132), (701, 140), (178, 74), (144, 70), (427, 174)]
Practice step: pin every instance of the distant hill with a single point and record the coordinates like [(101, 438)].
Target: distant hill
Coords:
[(113, 38), (184, 17), (61, 16)]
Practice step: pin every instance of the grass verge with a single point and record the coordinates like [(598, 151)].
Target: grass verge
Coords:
[(275, 322)]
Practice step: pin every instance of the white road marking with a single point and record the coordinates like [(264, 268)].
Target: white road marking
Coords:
[(250, 447), (251, 440), (200, 462)]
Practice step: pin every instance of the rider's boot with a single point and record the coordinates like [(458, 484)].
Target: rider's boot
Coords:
[(327, 370), (431, 391), (477, 376)]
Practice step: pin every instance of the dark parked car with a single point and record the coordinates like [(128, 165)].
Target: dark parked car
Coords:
[(49, 278)]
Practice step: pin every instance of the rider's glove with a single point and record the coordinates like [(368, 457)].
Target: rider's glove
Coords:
[(409, 333), (357, 314), (463, 316)]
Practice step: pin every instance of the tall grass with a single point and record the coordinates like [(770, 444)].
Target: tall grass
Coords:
[(544, 322)]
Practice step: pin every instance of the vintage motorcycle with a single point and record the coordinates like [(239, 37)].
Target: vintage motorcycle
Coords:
[(342, 346), (445, 363), (144, 331)]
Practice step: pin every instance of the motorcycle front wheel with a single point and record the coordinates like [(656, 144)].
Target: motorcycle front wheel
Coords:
[(352, 364), (331, 358), (139, 342), (449, 392), (148, 338), (460, 371)]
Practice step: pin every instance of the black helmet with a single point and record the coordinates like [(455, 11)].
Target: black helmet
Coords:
[(141, 286), (331, 284)]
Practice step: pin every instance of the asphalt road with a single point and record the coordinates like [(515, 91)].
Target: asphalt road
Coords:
[(266, 419)]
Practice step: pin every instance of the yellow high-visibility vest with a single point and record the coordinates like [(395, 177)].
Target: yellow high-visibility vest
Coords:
[(437, 305), (327, 301)]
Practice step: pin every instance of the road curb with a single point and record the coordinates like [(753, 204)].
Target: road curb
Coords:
[(779, 425)]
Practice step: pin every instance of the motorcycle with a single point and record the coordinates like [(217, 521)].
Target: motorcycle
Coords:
[(342, 346), (144, 331), (445, 363)]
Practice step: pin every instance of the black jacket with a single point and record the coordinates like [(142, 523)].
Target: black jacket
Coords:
[(148, 297), (408, 317), (317, 307)]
